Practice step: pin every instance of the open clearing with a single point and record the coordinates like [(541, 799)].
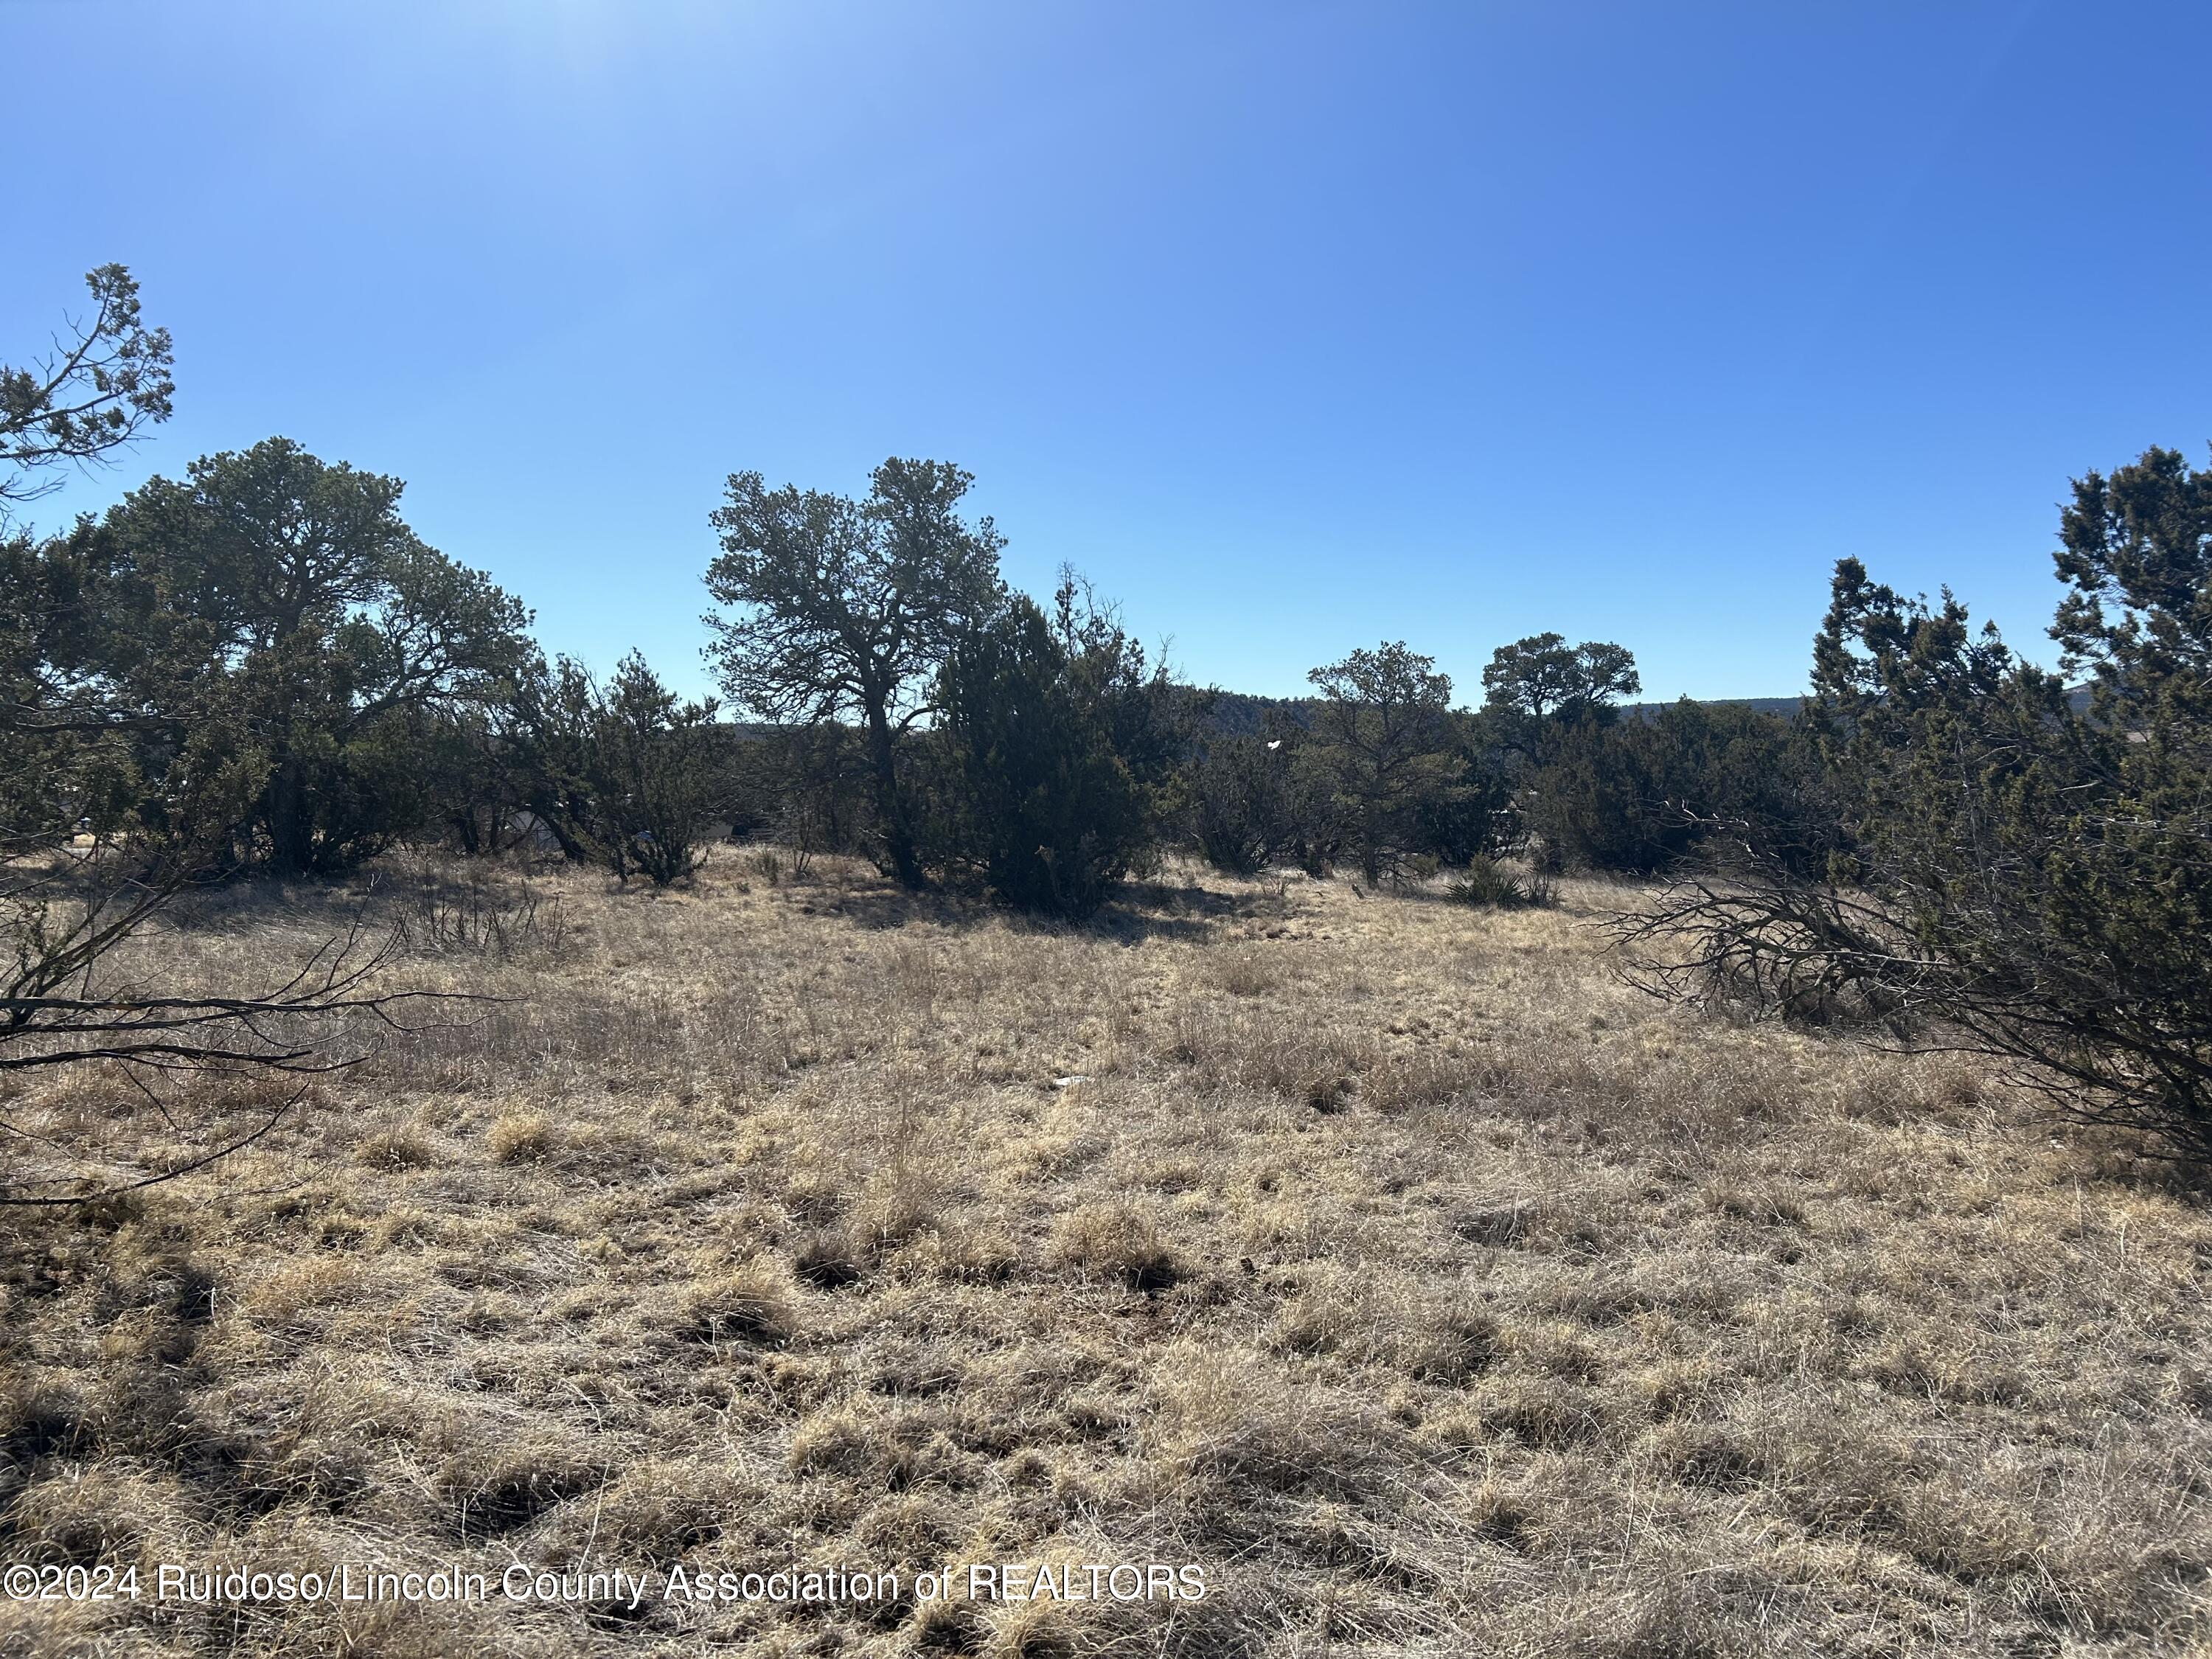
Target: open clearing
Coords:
[(1431, 1289)]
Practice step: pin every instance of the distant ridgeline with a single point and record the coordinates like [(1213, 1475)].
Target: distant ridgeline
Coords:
[(1236, 714), (1785, 706), (1240, 713)]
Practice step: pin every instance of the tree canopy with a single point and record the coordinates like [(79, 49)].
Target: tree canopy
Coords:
[(1541, 686), (848, 608), (296, 581)]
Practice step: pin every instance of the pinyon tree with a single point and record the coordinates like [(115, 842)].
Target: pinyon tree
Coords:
[(1540, 687), (1384, 740), (846, 609)]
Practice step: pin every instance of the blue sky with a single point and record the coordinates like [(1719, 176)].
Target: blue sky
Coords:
[(1295, 326)]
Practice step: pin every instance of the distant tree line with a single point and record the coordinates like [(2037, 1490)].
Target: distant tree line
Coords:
[(261, 667)]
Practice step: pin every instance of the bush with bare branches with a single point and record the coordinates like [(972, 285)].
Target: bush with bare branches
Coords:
[(2008, 872), (65, 1003)]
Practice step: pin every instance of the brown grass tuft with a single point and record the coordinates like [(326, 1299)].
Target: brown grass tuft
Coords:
[(753, 1302), (1120, 1241)]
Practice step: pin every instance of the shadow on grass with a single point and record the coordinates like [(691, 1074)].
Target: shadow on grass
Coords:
[(1140, 910), (392, 889)]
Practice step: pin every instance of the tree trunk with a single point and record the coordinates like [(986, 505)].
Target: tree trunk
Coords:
[(890, 807), (557, 819), (291, 834)]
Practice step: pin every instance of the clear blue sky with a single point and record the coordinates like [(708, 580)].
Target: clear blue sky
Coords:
[(1296, 326)]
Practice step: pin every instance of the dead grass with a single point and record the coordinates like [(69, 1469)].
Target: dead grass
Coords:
[(1387, 1258)]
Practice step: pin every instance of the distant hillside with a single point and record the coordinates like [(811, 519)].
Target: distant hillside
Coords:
[(2078, 695), (1239, 714), (1233, 713), (1785, 706)]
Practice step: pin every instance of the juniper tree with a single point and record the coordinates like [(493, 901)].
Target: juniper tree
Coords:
[(342, 632), (652, 763), (1040, 802), (2008, 870)]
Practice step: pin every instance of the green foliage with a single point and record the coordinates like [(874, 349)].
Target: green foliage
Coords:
[(1379, 764), (101, 388), (652, 765), (542, 743), (848, 608), (1639, 796), (1243, 811), (131, 748), (80, 748), (1039, 802), (1472, 813), (1539, 688), (1487, 884), (623, 774), (814, 791), (114, 722), (1939, 742), (2136, 550), (338, 639), (2007, 870), (1384, 742), (1148, 715)]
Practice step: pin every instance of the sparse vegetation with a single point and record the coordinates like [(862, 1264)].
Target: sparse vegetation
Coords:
[(1392, 1258), (1486, 881)]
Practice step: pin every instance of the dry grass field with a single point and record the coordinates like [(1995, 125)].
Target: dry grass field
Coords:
[(1393, 1262)]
